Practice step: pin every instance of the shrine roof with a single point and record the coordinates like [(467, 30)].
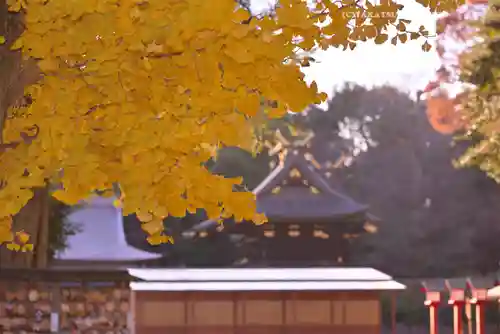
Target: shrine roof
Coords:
[(300, 203), (263, 279), (100, 235), (296, 190)]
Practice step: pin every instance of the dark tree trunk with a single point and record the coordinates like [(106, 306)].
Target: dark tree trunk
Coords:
[(34, 220), (15, 74)]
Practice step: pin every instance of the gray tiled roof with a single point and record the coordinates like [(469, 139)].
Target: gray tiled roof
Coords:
[(101, 236), (297, 202)]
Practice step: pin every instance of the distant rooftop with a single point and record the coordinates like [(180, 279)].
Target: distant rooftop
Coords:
[(263, 279), (100, 236), (296, 192), (259, 274)]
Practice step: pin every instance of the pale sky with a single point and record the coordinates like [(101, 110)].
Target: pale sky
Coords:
[(404, 66)]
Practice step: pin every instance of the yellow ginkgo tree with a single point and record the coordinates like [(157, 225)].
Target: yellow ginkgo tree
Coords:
[(137, 95)]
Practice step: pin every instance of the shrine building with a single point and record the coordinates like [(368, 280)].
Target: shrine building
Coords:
[(258, 300), (310, 223)]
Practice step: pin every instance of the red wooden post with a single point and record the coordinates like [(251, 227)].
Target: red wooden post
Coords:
[(432, 300), (480, 306), (479, 298), (468, 315), (433, 318), (457, 300), (457, 318)]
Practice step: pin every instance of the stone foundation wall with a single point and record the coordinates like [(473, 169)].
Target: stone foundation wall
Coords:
[(91, 308)]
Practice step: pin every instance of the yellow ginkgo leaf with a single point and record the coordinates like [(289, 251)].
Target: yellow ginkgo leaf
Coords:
[(259, 219), (240, 54), (144, 216), (159, 239), (16, 5), (13, 247), (22, 237), (66, 197), (426, 46), (177, 207), (5, 235), (381, 38), (6, 221), (153, 227), (27, 248), (154, 48), (240, 15), (18, 44)]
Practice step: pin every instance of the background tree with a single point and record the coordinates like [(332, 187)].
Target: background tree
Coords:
[(60, 228), (445, 94), (465, 91), (480, 66), (406, 176), (377, 146)]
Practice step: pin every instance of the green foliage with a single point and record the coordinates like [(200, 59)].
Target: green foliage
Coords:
[(59, 227), (480, 67)]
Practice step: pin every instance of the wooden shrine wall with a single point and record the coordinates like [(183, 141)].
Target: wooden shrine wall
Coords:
[(256, 313), (26, 307)]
